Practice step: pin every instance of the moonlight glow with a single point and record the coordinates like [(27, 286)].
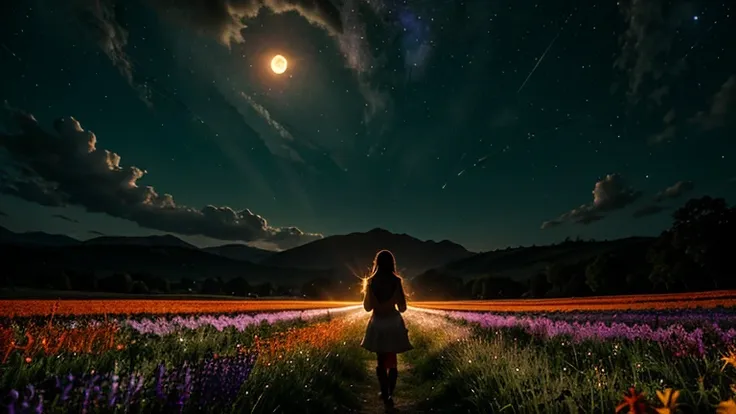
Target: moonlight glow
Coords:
[(278, 64)]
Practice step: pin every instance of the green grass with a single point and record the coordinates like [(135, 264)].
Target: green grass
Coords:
[(509, 372), (453, 368)]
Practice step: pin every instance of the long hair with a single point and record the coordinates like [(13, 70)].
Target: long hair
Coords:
[(384, 264), (384, 277)]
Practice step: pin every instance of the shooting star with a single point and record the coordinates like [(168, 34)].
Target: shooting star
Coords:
[(539, 61), (541, 58), (10, 51)]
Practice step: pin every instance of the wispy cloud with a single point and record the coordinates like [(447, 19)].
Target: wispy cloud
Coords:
[(224, 20), (609, 194), (672, 192), (65, 218), (648, 210), (98, 20), (647, 42), (722, 107), (675, 191)]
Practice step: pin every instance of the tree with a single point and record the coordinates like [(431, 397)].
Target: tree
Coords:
[(319, 288), (237, 286), (556, 275), (264, 289), (694, 253), (117, 283), (538, 285), (703, 229), (605, 274), (671, 267), (153, 282), (139, 287), (478, 289), (83, 280), (212, 286)]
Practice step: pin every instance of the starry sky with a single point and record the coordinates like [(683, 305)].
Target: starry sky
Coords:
[(491, 124)]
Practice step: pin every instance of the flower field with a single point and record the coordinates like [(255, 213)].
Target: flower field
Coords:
[(712, 299), (182, 363), (41, 307), (279, 359), (633, 362)]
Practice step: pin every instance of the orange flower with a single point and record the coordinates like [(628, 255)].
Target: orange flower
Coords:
[(22, 308), (726, 407), (49, 339), (634, 401), (668, 398), (729, 359)]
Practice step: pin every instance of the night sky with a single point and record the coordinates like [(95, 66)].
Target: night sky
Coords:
[(489, 123)]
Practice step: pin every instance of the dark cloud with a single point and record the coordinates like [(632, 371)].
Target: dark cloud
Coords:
[(648, 210), (658, 94), (65, 218), (33, 189), (675, 191), (96, 233), (589, 218), (609, 194), (550, 223), (670, 193), (669, 131), (98, 20), (723, 102), (3, 214), (648, 40), (73, 171)]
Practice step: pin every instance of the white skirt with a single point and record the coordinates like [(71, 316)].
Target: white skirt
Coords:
[(386, 334)]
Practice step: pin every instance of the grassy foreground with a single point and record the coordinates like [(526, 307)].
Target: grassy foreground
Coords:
[(318, 366), (507, 370)]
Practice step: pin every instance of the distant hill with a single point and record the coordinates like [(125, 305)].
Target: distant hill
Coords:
[(171, 263), (166, 240), (166, 256), (354, 252), (522, 263), (240, 252), (36, 238)]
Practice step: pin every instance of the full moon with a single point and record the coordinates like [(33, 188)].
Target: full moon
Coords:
[(278, 64)]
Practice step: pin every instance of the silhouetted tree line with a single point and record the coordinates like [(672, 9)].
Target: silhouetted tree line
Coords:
[(692, 255), (136, 283)]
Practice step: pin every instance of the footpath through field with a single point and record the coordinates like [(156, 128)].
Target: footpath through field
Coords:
[(429, 333)]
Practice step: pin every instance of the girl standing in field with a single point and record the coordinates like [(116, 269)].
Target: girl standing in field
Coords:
[(386, 334)]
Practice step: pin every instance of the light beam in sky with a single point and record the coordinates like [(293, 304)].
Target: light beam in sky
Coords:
[(543, 54), (539, 61), (278, 64)]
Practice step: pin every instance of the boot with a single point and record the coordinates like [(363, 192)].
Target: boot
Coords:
[(383, 383), (393, 374)]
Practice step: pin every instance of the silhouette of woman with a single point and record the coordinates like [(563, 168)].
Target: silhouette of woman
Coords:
[(386, 334)]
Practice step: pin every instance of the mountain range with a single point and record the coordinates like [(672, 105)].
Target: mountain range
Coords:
[(336, 259)]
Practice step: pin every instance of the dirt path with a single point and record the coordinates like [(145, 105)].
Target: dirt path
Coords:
[(404, 396), (429, 333)]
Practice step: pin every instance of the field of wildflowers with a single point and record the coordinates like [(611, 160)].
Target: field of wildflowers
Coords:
[(632, 362), (183, 363), (302, 361)]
